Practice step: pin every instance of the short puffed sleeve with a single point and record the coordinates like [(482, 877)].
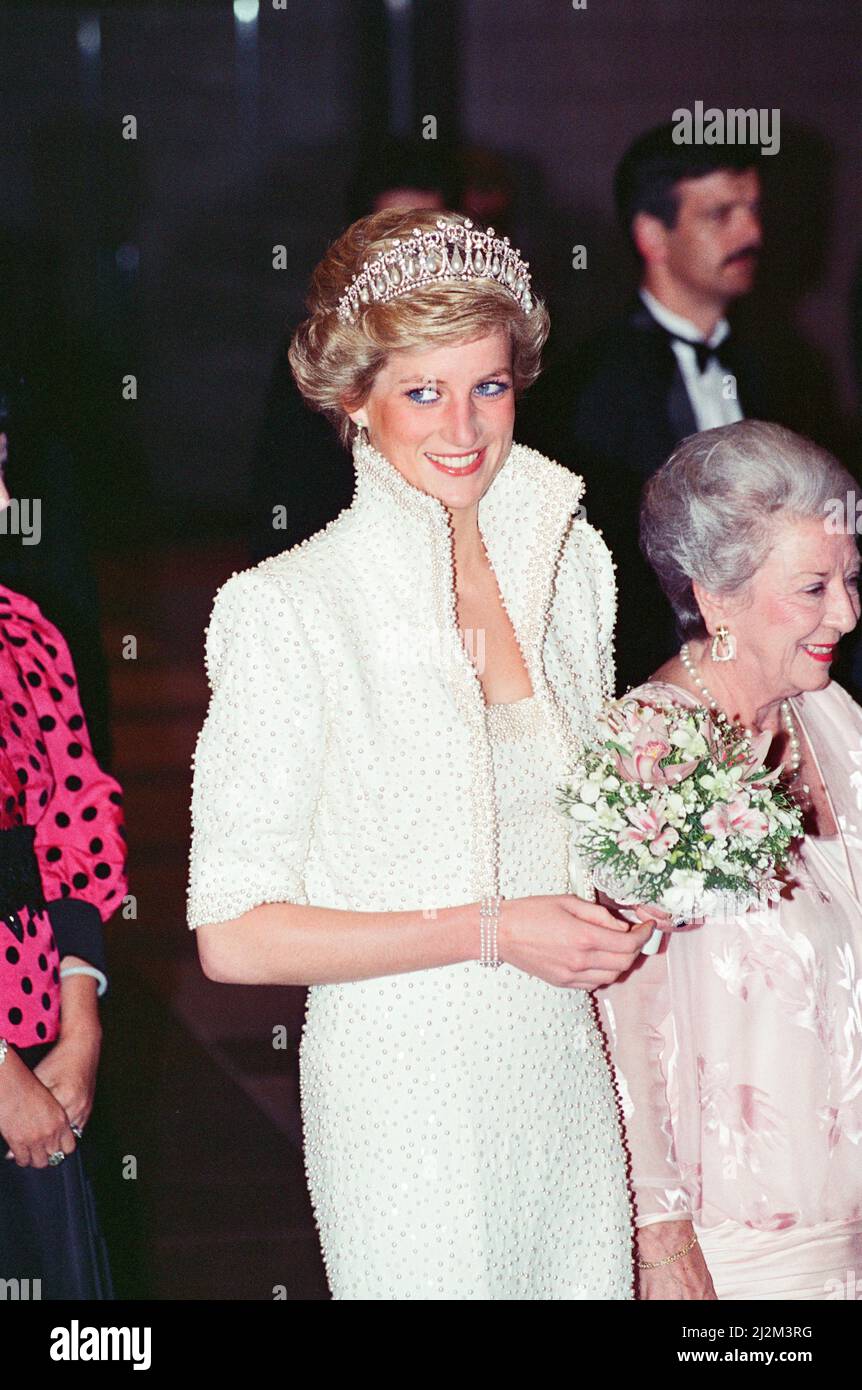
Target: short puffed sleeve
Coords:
[(259, 755)]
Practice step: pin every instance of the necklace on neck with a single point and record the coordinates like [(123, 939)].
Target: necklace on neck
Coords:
[(789, 723)]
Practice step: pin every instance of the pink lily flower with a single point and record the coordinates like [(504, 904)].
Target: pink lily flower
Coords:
[(642, 765), (735, 817), (646, 828), (756, 775)]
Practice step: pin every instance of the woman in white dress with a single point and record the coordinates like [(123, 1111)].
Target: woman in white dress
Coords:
[(393, 703)]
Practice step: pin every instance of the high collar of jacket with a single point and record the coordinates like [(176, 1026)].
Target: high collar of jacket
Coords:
[(523, 517)]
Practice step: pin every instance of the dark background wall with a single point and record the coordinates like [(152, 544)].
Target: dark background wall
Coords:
[(154, 256), (568, 90)]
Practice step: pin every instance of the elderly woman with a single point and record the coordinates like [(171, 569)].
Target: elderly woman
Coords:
[(393, 701), (738, 1046)]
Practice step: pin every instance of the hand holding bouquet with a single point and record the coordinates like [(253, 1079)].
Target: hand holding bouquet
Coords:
[(673, 808)]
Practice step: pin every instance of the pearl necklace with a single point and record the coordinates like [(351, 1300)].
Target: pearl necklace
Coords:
[(790, 726)]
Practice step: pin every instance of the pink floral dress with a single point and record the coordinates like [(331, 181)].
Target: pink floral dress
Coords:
[(738, 1055)]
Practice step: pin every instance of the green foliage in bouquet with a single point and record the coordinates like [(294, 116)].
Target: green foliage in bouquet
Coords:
[(670, 805)]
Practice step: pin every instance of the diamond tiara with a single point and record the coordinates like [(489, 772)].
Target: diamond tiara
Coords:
[(456, 251)]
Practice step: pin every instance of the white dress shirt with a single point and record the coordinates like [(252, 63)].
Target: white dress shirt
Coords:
[(713, 393)]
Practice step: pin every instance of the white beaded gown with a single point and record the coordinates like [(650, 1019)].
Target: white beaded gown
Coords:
[(461, 1131)]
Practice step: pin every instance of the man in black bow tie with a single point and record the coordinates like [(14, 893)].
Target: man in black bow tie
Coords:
[(667, 368)]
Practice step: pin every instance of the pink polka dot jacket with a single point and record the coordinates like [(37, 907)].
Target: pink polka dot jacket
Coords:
[(62, 840)]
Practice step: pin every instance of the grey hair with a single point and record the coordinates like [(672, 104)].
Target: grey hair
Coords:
[(710, 512)]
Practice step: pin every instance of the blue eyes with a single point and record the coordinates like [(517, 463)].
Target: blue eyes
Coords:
[(428, 395)]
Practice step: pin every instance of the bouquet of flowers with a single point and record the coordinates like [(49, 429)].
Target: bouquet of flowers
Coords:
[(673, 808)]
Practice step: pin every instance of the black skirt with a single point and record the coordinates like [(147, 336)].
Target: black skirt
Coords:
[(49, 1228)]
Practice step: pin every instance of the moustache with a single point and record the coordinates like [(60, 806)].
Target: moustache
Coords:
[(745, 254)]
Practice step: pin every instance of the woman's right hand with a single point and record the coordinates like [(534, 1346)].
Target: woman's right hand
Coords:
[(569, 941), (32, 1122), (684, 1279)]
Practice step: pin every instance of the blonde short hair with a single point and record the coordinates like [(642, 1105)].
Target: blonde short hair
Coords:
[(334, 361)]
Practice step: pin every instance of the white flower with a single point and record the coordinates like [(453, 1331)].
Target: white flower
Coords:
[(654, 866), (723, 783), (721, 861), (590, 792), (608, 817), (691, 743), (684, 891)]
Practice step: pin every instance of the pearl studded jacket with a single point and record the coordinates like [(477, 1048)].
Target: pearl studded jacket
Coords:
[(344, 759)]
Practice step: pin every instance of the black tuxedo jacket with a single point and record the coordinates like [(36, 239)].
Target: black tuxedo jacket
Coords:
[(613, 411)]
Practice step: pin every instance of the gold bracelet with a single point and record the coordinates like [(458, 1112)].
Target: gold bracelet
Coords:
[(668, 1259)]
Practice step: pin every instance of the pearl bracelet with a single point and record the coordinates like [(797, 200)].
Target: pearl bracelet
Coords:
[(668, 1259), (489, 918)]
